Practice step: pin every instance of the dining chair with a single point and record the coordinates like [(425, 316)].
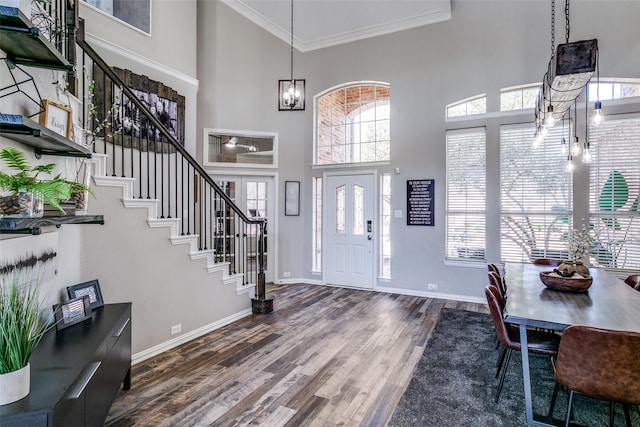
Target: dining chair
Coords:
[(496, 280), (548, 261), (539, 342), (493, 267), (600, 363), (633, 281)]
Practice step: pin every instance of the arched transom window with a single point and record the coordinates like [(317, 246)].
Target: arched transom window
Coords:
[(353, 124)]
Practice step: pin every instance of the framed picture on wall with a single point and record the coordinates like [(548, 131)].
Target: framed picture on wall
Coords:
[(292, 198)]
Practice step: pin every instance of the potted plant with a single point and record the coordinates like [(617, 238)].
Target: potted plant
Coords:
[(27, 191), (22, 325)]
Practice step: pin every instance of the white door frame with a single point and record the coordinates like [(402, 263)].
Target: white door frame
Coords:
[(272, 224), (376, 220)]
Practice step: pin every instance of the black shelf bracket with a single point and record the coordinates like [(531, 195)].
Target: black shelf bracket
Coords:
[(43, 151), (21, 85)]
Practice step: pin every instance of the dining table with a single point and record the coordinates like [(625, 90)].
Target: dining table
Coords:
[(609, 303)]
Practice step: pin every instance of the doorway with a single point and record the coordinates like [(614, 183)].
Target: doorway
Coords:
[(256, 196), (349, 232)]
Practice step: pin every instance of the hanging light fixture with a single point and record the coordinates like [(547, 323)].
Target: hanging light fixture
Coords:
[(597, 107), (563, 143), (291, 96), (569, 71), (576, 148), (586, 151)]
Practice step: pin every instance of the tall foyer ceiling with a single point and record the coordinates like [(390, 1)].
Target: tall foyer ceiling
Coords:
[(323, 23)]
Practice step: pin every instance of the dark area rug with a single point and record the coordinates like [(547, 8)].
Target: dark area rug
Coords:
[(454, 383)]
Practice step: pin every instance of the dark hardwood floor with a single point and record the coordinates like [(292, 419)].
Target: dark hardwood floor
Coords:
[(326, 357)]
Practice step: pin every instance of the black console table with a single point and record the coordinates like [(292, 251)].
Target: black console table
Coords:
[(76, 372)]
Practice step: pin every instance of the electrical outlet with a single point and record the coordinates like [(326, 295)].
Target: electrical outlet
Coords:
[(286, 274), (432, 286), (176, 329)]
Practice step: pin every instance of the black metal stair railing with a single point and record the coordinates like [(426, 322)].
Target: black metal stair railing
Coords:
[(140, 147)]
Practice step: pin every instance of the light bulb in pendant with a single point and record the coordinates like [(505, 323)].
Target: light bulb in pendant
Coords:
[(570, 163), (575, 147), (544, 132), (549, 120), (586, 153), (597, 114), (537, 139), (563, 147)]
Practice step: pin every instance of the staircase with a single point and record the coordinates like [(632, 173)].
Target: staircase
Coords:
[(156, 173), (172, 204)]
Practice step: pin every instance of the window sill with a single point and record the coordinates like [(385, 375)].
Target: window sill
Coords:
[(467, 264), (352, 165)]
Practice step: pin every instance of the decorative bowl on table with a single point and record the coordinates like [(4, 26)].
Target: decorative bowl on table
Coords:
[(574, 283)]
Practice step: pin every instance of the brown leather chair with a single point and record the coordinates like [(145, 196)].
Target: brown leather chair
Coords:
[(493, 267), (599, 363), (496, 280), (539, 342), (633, 281), (548, 261)]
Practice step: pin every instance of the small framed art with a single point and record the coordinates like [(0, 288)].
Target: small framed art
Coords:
[(56, 117), (292, 198), (283, 87), (90, 289), (71, 312)]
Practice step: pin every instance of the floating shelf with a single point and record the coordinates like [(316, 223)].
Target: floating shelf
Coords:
[(45, 141), (33, 225), (24, 43)]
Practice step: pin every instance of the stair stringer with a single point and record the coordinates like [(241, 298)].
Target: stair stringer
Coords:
[(99, 168)]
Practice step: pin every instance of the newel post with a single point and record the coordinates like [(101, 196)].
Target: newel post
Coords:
[(262, 303)]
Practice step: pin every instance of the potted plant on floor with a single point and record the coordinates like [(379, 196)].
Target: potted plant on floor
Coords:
[(26, 191), (22, 325)]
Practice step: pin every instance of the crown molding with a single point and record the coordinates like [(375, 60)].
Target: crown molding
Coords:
[(351, 36), (134, 57)]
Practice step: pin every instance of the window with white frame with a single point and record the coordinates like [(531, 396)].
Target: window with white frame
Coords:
[(467, 107), (466, 192), (519, 98), (353, 124), (535, 194), (607, 89), (614, 176), (385, 228), (317, 225)]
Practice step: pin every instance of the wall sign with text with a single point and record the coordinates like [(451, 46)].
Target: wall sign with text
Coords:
[(420, 202)]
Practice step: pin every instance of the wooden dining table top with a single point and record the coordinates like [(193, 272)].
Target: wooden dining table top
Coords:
[(609, 303)]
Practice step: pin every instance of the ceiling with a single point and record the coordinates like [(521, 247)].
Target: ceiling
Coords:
[(322, 23)]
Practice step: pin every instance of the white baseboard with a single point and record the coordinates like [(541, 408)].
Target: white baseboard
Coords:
[(414, 293), (291, 281), (197, 333), (398, 291)]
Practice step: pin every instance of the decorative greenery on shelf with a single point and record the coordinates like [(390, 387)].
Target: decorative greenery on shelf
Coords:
[(52, 191), (22, 322)]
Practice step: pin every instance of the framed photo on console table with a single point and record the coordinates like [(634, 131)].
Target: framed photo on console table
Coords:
[(71, 312), (91, 289)]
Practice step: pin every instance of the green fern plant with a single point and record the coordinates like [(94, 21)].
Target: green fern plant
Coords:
[(52, 191)]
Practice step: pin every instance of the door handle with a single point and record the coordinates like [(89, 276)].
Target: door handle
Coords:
[(369, 237)]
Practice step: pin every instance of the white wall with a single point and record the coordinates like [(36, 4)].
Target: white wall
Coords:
[(486, 45)]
